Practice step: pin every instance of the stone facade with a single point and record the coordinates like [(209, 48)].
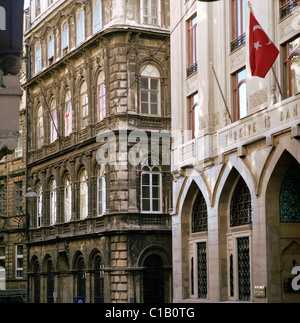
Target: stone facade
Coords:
[(89, 234), (221, 251)]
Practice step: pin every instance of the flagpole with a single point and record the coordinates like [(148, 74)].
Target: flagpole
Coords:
[(277, 82), (223, 97)]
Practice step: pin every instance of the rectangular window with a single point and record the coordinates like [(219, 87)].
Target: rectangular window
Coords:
[(194, 115), (18, 198), (2, 199), (19, 148), (19, 261), (84, 103), (80, 27), (102, 101), (65, 36), (53, 125), (151, 191), (239, 95), (150, 12), (101, 195), (291, 63), (238, 24), (192, 46), (97, 16), (38, 58), (2, 268), (150, 96), (51, 48)]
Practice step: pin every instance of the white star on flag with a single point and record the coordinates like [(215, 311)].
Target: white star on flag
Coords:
[(257, 45)]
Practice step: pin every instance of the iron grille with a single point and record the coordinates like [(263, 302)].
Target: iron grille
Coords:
[(202, 270), (241, 205), (243, 269), (199, 214)]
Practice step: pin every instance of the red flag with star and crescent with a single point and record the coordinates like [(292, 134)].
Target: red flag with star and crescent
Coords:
[(263, 52)]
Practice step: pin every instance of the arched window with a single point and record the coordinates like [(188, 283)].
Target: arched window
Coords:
[(101, 96), (80, 27), (53, 127), (83, 194), (39, 205), (101, 193), (290, 196), (40, 127), (68, 114), (199, 214), (99, 281), (68, 199), (97, 15), (241, 205), (84, 105), (150, 91), (151, 189), (53, 200)]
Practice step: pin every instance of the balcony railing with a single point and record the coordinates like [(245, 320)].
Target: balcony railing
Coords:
[(238, 42), (192, 69), (287, 9)]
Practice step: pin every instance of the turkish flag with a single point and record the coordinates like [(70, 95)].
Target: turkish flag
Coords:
[(263, 52)]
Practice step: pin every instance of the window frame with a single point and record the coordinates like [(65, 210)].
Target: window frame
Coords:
[(67, 199), (39, 206), (192, 45), (101, 97), (53, 202), (84, 105), (145, 18), (236, 92), (101, 191), (40, 127), (287, 55), (80, 26), (19, 269), (38, 58), (150, 172), (193, 108), (83, 212), (68, 114), (53, 122), (97, 16)]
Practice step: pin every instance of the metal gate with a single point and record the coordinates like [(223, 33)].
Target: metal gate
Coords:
[(243, 269)]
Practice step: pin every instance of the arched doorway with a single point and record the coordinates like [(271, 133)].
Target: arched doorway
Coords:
[(154, 280), (36, 283)]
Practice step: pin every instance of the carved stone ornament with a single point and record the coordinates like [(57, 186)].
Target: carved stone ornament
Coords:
[(10, 64)]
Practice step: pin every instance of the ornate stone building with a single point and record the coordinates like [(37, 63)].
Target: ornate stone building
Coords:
[(100, 227), (236, 154)]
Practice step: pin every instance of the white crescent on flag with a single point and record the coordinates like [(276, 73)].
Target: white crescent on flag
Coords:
[(259, 27)]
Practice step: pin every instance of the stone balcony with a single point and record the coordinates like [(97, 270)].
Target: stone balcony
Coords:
[(100, 225)]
